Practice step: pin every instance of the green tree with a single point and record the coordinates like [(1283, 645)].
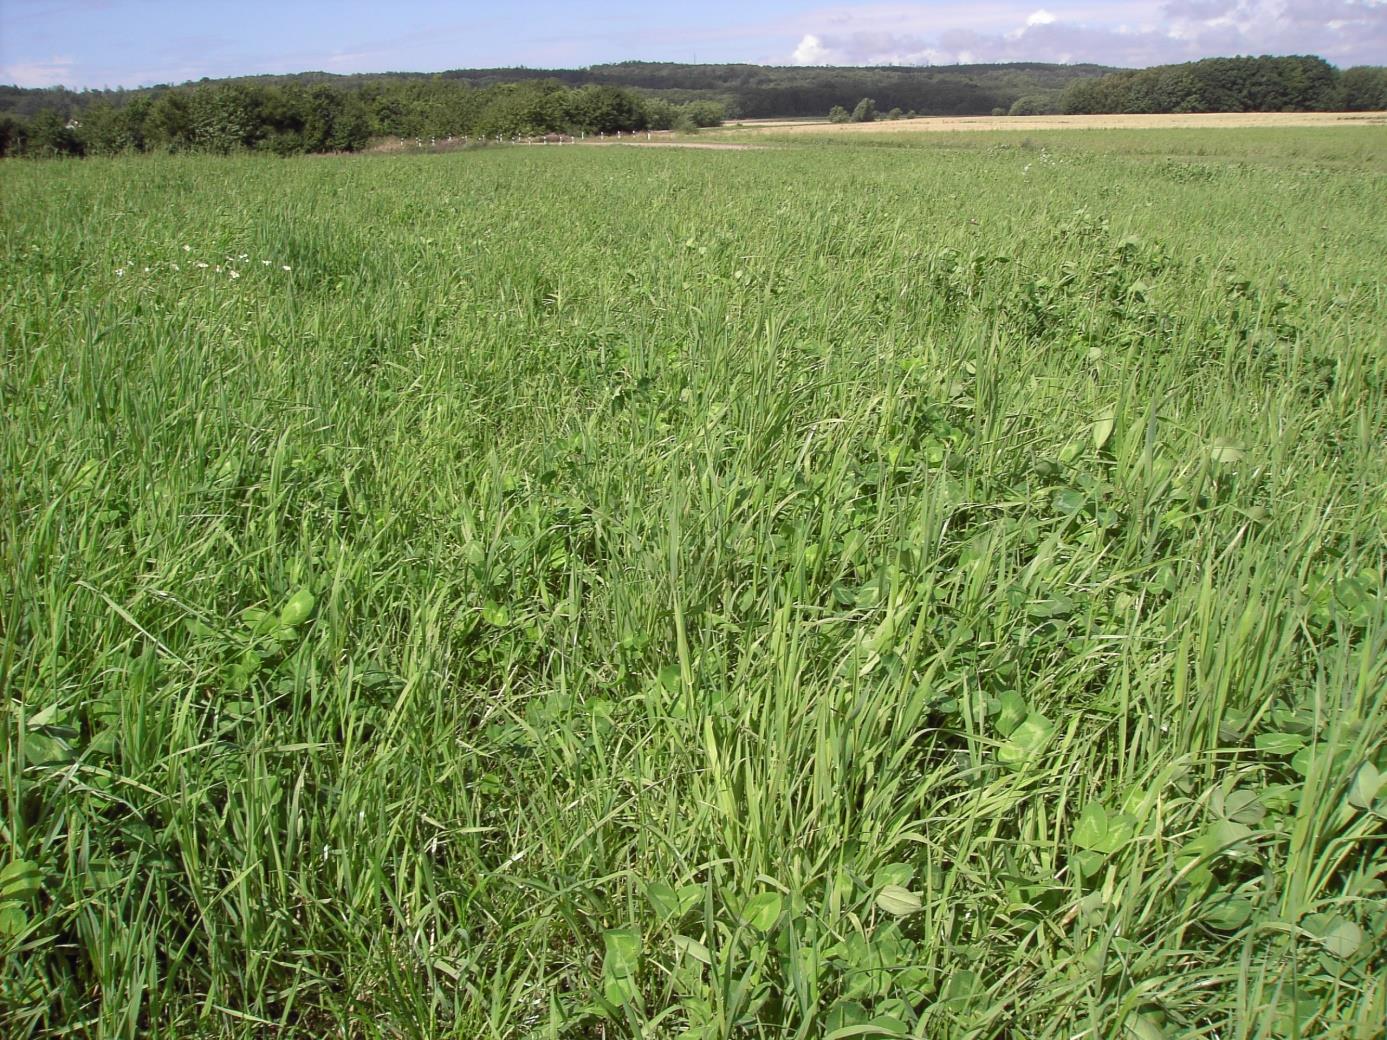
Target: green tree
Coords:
[(49, 134), (170, 122), (1034, 105), (838, 114), (1364, 89), (107, 128), (865, 112), (601, 109), (705, 113), (14, 136)]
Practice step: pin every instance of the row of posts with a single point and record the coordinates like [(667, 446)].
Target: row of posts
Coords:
[(562, 138)]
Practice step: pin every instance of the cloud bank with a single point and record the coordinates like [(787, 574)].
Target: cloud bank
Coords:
[(37, 73), (1133, 34)]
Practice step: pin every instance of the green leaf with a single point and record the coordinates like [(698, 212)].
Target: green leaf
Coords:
[(1011, 713), (1279, 743), (1103, 427), (1367, 787), (843, 1019), (1220, 838), (13, 919), (260, 622), (40, 749), (1091, 829), (1054, 607), (670, 678), (1226, 453), (663, 898), (495, 615), (19, 880), (893, 874), (887, 1027), (1121, 827), (1144, 1027), (298, 610), (45, 717), (1089, 863), (620, 963), (1228, 913), (619, 989), (897, 900), (1338, 935), (671, 903), (762, 911), (687, 947), (1100, 834), (1027, 742), (1244, 806), (1069, 502), (962, 991)]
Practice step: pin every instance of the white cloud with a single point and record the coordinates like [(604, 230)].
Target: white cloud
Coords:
[(810, 51), (38, 73), (1123, 32)]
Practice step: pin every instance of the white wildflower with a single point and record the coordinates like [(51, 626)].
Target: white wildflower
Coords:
[(265, 263), (187, 249), (120, 272), (234, 274), (287, 267), (202, 265)]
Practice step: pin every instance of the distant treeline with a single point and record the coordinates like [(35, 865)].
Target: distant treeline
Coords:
[(316, 111), (292, 118), (770, 91), (1265, 84)]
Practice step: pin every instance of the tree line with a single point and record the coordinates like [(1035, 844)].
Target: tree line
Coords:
[(317, 111), (320, 112), (292, 118), (1299, 83)]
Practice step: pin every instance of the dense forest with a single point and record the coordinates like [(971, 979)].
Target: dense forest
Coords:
[(319, 112), (1265, 84), (764, 91)]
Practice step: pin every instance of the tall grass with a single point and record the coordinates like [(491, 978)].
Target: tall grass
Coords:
[(600, 592)]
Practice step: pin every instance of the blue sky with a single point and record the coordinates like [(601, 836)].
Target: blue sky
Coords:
[(96, 43)]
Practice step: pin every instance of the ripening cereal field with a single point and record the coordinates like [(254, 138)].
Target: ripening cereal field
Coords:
[(881, 589)]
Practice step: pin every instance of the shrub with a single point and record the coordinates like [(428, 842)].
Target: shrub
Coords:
[(865, 112)]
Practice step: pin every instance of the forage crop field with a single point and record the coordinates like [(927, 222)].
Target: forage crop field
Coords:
[(854, 591)]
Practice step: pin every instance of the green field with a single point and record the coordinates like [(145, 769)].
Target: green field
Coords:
[(930, 589)]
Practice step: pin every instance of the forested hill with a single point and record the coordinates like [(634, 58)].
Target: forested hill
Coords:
[(765, 91), (743, 91)]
